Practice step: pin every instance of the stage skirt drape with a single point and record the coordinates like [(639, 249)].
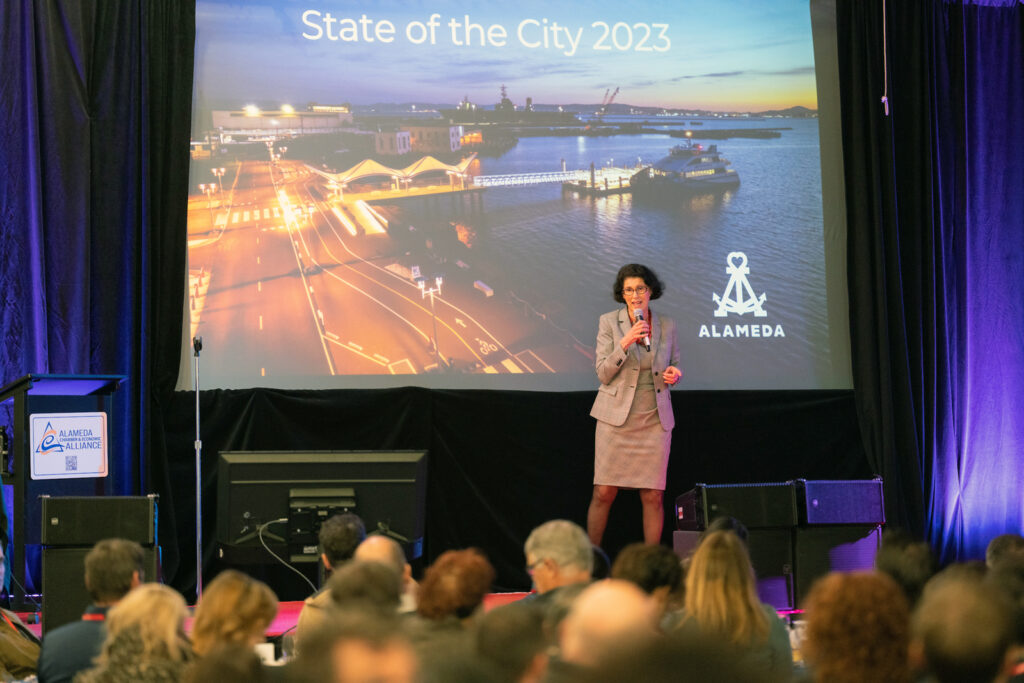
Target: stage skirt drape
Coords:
[(503, 462)]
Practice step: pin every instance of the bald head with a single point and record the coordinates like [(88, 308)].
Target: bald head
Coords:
[(382, 549), (378, 548), (607, 616)]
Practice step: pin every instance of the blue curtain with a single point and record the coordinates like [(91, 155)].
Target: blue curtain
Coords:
[(936, 259), (95, 107)]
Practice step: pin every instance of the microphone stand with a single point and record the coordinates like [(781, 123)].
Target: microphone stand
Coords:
[(197, 346)]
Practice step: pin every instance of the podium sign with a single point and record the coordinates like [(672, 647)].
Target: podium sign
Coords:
[(61, 446), (68, 445)]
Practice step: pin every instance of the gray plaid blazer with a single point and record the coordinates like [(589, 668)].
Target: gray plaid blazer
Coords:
[(618, 370)]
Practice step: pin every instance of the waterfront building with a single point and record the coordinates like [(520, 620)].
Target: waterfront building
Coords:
[(395, 142), (431, 139)]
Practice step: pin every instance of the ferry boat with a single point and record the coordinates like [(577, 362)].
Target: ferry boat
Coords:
[(688, 166)]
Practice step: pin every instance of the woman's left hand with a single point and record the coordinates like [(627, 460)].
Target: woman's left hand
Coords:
[(672, 374)]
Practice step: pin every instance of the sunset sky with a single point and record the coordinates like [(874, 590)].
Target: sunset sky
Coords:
[(726, 55)]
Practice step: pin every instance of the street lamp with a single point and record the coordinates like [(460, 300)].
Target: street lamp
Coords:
[(207, 189), (219, 172), (424, 291)]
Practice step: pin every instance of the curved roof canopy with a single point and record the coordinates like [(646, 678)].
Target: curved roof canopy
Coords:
[(368, 168)]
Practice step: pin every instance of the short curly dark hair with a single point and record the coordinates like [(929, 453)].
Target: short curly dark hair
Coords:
[(637, 270), (109, 567), (650, 567), (339, 535)]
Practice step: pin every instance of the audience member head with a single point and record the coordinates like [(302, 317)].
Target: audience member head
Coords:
[(677, 658), (455, 584), (1004, 547), (234, 609), (339, 536), (608, 616), (512, 637), (558, 553), (155, 615), (858, 629), (455, 660), (1008, 577), (721, 595), (112, 568), (908, 562), (968, 570), (231, 663), (654, 568), (358, 647), (369, 585), (962, 629), (380, 548)]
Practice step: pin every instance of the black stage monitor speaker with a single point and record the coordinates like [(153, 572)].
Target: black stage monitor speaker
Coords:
[(840, 502), (70, 526), (771, 554), (824, 549), (64, 593), (84, 520), (766, 505)]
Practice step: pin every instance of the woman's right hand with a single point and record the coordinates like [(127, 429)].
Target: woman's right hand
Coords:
[(640, 329)]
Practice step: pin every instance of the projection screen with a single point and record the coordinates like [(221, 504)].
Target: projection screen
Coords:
[(440, 194)]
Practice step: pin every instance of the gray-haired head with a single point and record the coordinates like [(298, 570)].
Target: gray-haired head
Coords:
[(564, 543)]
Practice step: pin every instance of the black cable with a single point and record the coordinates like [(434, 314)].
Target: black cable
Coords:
[(259, 532)]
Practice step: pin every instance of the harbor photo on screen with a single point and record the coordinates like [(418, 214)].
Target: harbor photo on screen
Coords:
[(440, 194)]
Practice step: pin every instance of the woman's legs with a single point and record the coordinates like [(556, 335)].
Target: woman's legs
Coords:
[(654, 515), (597, 515)]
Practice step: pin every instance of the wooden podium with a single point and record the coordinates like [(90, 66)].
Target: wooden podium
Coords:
[(61, 460)]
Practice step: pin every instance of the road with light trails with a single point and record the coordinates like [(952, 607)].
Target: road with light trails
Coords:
[(304, 283), (250, 322)]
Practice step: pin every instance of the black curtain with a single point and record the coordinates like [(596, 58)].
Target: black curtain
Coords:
[(936, 264), (500, 463)]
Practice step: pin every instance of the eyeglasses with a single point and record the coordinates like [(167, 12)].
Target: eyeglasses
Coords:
[(641, 290), (531, 568)]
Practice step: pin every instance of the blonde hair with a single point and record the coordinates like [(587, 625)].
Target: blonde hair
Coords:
[(157, 614), (233, 609), (720, 593)]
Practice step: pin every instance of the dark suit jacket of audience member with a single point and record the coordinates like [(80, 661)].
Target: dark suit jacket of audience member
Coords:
[(72, 647)]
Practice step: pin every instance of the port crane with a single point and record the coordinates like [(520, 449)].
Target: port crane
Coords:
[(606, 101)]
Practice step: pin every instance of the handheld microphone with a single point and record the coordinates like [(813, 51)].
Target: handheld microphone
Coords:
[(638, 314)]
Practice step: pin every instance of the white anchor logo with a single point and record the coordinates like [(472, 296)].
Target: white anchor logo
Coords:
[(736, 266)]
